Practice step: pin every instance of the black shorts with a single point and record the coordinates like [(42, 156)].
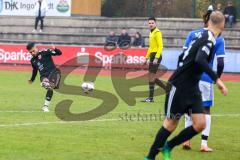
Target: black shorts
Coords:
[(54, 78), (179, 102), (154, 67)]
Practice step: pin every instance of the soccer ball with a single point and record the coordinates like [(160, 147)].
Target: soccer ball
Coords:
[(87, 87)]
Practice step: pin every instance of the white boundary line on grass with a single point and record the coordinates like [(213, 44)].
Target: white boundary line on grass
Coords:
[(226, 115), (213, 115), (79, 122), (57, 122), (20, 111)]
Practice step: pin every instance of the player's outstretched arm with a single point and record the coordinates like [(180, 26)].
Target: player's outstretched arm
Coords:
[(58, 52), (222, 87), (34, 74), (54, 51)]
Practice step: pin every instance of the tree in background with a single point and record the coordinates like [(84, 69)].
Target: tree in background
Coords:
[(202, 6), (110, 8), (139, 8), (124, 8), (159, 8), (172, 8)]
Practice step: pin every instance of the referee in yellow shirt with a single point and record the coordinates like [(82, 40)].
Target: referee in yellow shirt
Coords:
[(153, 57)]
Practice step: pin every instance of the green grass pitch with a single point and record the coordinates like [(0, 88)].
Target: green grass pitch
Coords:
[(28, 134)]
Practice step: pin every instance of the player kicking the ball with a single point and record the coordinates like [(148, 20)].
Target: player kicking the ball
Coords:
[(185, 95), (206, 84), (49, 75)]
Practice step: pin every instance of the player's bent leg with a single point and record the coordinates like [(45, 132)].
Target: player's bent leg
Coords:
[(188, 133), (206, 131), (199, 122), (48, 99), (207, 97), (55, 78), (170, 124), (45, 83), (188, 123), (168, 127), (50, 83), (173, 111)]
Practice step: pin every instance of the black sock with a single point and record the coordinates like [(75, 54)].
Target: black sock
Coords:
[(159, 142), (204, 137), (151, 89), (49, 95), (183, 136)]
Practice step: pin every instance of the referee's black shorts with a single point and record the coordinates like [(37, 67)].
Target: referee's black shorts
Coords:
[(179, 101), (152, 68)]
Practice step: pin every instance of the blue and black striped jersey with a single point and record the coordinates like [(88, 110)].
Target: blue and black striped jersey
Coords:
[(194, 61)]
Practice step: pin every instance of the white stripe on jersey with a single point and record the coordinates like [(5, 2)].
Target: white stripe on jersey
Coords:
[(211, 37), (221, 56), (206, 50), (170, 99)]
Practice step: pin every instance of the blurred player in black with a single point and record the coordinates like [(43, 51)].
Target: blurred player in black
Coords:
[(49, 75), (185, 95)]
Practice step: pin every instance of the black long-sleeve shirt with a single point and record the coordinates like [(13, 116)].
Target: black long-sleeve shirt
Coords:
[(138, 42), (220, 66), (123, 40), (194, 61), (112, 39), (43, 62), (230, 10)]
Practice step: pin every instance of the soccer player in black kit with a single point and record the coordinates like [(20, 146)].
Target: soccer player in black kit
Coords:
[(49, 75), (185, 96)]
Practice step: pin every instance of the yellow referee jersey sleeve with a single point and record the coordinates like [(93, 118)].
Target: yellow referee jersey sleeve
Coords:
[(155, 43)]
